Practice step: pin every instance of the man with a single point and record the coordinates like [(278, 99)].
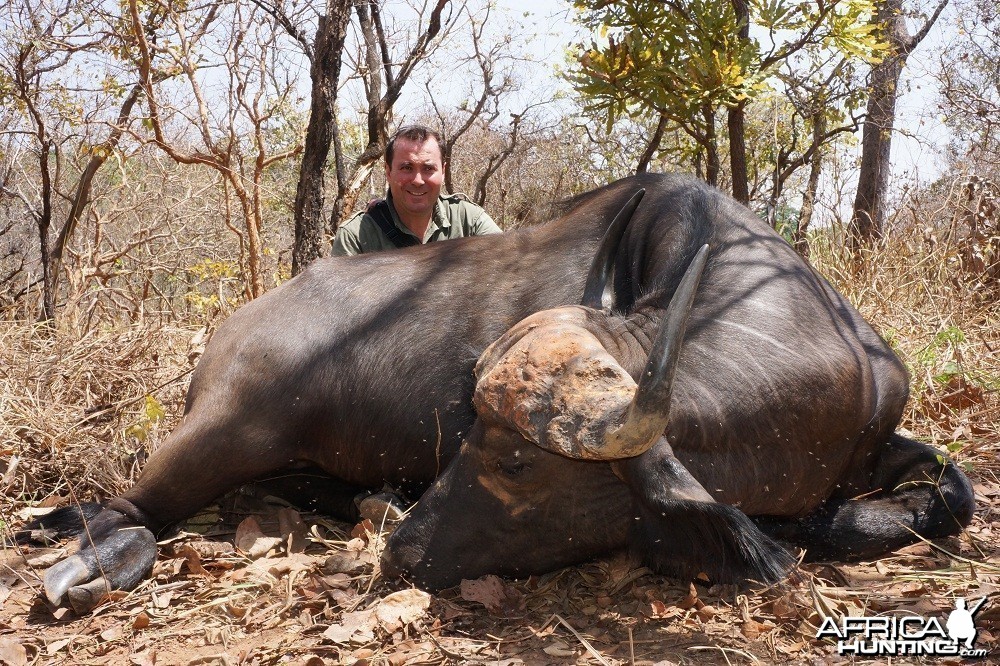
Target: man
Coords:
[(414, 212)]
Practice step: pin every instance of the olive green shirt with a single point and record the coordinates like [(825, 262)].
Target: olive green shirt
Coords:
[(454, 217)]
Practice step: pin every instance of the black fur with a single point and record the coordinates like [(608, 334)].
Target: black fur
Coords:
[(124, 552), (684, 538), (59, 524), (922, 493)]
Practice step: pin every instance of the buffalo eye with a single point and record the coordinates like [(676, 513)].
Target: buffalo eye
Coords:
[(512, 467)]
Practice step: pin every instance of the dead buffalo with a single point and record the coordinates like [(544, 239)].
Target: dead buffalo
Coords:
[(597, 428)]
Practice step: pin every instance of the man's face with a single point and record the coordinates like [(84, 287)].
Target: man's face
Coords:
[(415, 177)]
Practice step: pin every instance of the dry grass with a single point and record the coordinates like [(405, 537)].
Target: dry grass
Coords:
[(76, 424)]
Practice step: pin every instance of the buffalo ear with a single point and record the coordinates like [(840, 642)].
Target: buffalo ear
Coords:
[(555, 384), (596, 293)]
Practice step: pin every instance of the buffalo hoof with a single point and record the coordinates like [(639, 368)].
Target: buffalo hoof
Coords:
[(115, 554), (382, 509), (64, 580)]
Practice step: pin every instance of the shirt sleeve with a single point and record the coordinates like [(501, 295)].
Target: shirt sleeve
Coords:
[(485, 225), (346, 243)]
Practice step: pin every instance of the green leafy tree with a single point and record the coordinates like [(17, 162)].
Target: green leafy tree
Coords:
[(687, 61)]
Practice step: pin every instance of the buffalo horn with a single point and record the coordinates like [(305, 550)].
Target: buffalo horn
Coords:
[(604, 260), (647, 415)]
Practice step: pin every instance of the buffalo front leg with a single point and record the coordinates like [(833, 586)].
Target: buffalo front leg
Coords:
[(914, 492), (681, 530), (195, 465)]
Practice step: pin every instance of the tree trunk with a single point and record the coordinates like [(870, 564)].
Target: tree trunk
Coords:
[(876, 145), (48, 313), (43, 220), (868, 220), (324, 72), (81, 197), (652, 145), (738, 153), (737, 122), (799, 239), (712, 164)]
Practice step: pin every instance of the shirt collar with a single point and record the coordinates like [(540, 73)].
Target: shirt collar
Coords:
[(439, 218)]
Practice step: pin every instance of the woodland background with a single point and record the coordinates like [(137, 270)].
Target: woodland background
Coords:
[(163, 162)]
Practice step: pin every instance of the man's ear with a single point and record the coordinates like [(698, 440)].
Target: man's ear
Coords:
[(388, 170)]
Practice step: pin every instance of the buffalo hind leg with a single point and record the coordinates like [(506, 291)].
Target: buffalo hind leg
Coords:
[(681, 530), (200, 461), (917, 493), (116, 552)]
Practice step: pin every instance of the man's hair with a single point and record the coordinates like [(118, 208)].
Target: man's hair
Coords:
[(418, 133)]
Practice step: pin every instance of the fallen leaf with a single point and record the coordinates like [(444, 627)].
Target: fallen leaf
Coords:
[(293, 529), (691, 599), (399, 609), (908, 589), (209, 550), (751, 629), (351, 561), (356, 627), (147, 658), (247, 533), (45, 557), (263, 547), (292, 563), (491, 592), (791, 649), (12, 653), (239, 612), (204, 521), (55, 646), (784, 608), (141, 621), (662, 611), (30, 512), (706, 613), (559, 649), (449, 611), (268, 570), (343, 598), (111, 634), (362, 530), (193, 561), (162, 600)]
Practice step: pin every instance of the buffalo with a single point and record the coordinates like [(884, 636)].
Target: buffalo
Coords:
[(673, 378)]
